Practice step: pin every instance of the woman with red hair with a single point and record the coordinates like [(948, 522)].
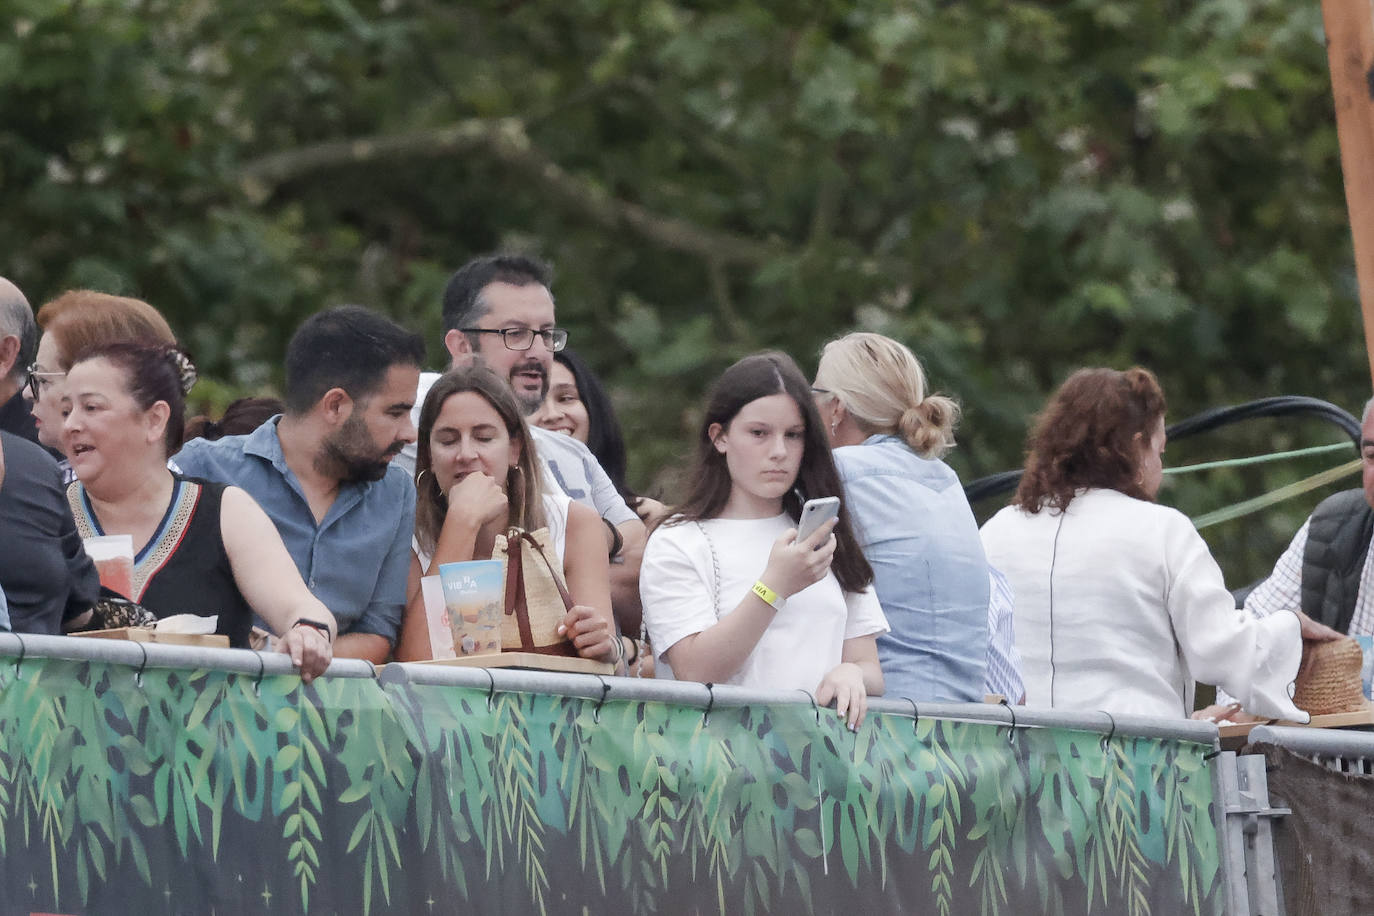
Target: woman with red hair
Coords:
[(1119, 604)]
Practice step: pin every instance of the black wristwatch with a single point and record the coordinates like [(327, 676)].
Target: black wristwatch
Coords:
[(315, 624)]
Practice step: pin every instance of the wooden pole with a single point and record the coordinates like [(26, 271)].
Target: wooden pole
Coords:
[(1350, 54)]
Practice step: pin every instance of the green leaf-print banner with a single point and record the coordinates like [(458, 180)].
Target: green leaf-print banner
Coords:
[(203, 791)]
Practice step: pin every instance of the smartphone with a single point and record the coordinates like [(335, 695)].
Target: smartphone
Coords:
[(816, 512)]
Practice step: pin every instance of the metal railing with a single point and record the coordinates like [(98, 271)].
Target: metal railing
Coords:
[(1336, 749)]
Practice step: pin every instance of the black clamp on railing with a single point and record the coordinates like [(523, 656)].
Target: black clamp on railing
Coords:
[(605, 692)]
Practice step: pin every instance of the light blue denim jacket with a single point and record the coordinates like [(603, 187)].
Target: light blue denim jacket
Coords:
[(918, 532)]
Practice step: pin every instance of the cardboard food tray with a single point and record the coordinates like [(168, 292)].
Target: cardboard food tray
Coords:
[(142, 634), (1234, 736), (535, 660)]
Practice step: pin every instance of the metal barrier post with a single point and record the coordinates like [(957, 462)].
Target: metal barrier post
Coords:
[(1245, 835), (1255, 817), (1230, 837)]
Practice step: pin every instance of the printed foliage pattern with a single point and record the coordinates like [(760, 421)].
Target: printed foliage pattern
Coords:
[(119, 792)]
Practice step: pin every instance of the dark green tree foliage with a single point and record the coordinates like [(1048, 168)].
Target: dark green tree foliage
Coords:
[(1014, 188)]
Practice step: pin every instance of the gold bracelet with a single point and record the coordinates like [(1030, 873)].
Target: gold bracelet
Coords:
[(768, 596)]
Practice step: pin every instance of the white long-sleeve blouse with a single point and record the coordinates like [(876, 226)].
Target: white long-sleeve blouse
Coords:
[(1120, 607)]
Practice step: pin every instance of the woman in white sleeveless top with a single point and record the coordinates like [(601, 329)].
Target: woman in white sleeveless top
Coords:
[(476, 476)]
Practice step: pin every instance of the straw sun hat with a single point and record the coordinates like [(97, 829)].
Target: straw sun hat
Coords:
[(1329, 678)]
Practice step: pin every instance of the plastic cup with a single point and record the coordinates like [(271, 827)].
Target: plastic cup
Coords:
[(436, 616), (473, 593), (113, 555)]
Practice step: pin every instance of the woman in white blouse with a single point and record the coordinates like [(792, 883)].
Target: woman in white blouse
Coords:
[(1119, 604)]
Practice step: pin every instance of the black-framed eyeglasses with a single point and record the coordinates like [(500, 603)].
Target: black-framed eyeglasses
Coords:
[(815, 390), (39, 379), (523, 338)]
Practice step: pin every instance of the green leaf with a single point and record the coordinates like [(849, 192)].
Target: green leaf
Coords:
[(143, 810), (287, 758), (355, 792), (286, 719), (808, 842)]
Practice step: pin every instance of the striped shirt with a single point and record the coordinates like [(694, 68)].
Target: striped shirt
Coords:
[(1282, 591), (1003, 673)]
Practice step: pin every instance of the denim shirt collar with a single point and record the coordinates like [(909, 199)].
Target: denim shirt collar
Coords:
[(265, 442)]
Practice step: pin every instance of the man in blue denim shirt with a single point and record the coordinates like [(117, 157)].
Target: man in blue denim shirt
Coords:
[(322, 471)]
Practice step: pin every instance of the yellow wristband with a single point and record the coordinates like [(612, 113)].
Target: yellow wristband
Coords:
[(769, 596)]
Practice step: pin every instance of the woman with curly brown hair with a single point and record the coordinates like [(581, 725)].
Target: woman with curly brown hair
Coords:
[(1119, 604)]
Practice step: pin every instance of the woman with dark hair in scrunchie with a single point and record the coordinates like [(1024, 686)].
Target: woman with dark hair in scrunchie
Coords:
[(240, 418), (1119, 604), (200, 548)]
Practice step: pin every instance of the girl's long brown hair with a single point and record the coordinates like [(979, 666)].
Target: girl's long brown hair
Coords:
[(1090, 436), (523, 483), (760, 376)]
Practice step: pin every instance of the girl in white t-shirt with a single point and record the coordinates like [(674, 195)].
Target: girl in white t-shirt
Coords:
[(730, 595), (475, 474)]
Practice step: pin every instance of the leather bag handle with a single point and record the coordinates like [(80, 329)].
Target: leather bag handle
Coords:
[(516, 602), (515, 589)]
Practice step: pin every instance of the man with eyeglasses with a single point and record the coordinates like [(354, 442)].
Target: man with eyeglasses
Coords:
[(498, 309), (18, 342)]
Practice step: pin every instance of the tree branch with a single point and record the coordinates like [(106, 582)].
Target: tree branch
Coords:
[(505, 140)]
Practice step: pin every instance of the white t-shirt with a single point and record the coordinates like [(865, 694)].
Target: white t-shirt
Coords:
[(678, 584)]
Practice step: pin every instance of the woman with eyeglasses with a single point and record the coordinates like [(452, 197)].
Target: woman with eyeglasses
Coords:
[(74, 321), (731, 596)]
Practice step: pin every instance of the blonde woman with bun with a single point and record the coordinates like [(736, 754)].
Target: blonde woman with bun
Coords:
[(913, 520)]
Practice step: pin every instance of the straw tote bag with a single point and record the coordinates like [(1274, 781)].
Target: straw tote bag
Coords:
[(536, 598)]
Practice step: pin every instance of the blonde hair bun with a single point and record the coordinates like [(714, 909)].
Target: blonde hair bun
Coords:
[(883, 387)]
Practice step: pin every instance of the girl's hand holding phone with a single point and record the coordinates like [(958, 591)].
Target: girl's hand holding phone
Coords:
[(793, 564)]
